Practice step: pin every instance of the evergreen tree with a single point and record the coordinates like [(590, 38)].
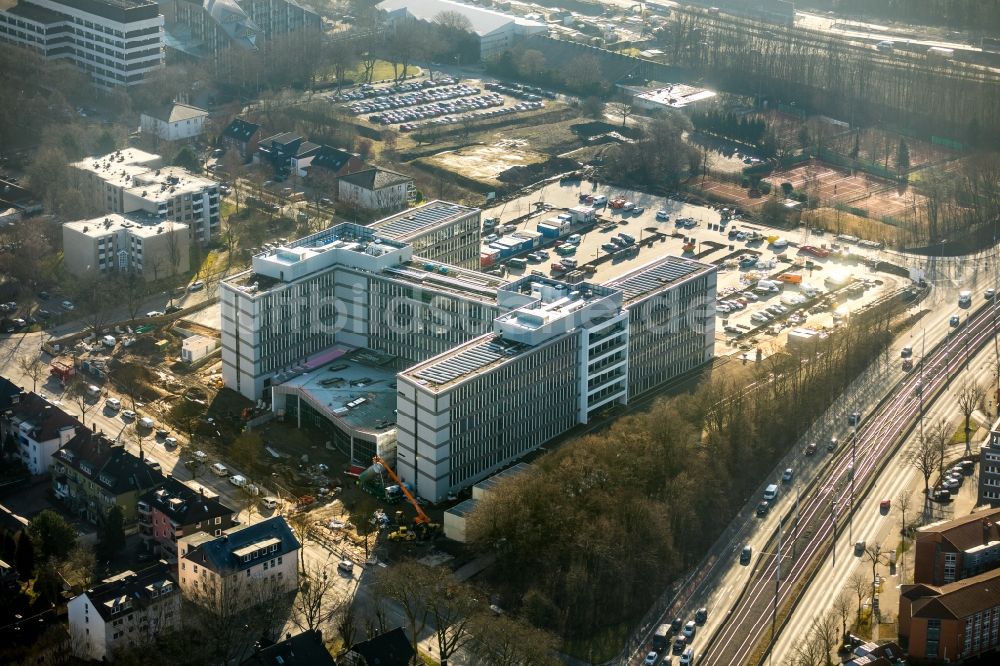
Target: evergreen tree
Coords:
[(111, 536), (24, 556)]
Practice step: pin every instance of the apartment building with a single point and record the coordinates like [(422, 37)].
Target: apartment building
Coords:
[(989, 469), (241, 568), (438, 231), (949, 551), (124, 612), (172, 510), (132, 181), (38, 429), (375, 189), (136, 242), (118, 42), (93, 473), (208, 27), (951, 623)]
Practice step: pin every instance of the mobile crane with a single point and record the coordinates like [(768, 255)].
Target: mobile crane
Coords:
[(422, 522)]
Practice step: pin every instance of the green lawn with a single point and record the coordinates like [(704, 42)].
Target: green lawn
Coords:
[(382, 71)]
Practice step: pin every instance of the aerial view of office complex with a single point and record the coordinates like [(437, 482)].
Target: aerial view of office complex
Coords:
[(513, 333)]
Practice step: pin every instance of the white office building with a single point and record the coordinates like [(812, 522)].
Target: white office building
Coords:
[(131, 181), (452, 372), (118, 42), (495, 31)]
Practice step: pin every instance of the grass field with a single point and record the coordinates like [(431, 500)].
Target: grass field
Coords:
[(853, 225)]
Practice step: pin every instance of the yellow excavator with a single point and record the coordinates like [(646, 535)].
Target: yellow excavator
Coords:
[(422, 524)]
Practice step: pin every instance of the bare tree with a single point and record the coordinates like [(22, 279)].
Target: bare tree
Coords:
[(823, 631), (407, 586), (876, 557), (925, 457), (903, 505), (842, 608), (80, 393), (303, 526), (507, 641), (860, 586), (622, 106), (970, 395), (133, 287), (317, 602), (33, 367), (452, 608)]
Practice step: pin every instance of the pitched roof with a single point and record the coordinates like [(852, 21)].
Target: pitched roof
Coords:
[(239, 129), (305, 649), (227, 552), (483, 21), (184, 505), (375, 178), (960, 599), (47, 419), (130, 589), (334, 159), (389, 649), (176, 112), (107, 463), (284, 139), (9, 392), (965, 532)]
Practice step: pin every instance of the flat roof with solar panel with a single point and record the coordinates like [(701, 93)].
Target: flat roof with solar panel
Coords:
[(418, 221), (657, 275), (468, 359)]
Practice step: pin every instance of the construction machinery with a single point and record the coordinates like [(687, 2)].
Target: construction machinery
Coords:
[(422, 524)]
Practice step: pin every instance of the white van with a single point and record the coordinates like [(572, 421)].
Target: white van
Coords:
[(771, 492), (574, 239), (219, 469), (600, 200), (269, 503)]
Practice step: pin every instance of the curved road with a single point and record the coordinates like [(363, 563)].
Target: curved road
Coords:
[(749, 621)]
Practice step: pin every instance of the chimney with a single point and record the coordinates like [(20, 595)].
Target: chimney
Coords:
[(201, 490), (986, 530)]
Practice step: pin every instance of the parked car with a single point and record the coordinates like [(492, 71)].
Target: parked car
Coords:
[(154, 313), (941, 495), (746, 554), (197, 285), (652, 658), (884, 506), (701, 615), (859, 547), (763, 508), (662, 215), (676, 624), (147, 422), (786, 477), (238, 480), (219, 469), (127, 415), (811, 448), (113, 404), (68, 305), (680, 642), (954, 321), (169, 442)]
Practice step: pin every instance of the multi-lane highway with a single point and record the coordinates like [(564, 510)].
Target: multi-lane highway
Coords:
[(748, 624)]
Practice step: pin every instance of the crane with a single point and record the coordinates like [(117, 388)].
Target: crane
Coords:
[(422, 518)]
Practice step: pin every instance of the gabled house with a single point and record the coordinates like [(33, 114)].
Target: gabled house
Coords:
[(242, 568), (338, 161), (305, 649), (174, 122), (123, 612), (92, 473), (172, 509), (38, 429), (241, 135), (389, 649), (948, 551), (376, 189), (288, 153)]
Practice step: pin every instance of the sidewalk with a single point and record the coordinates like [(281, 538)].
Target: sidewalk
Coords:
[(902, 572)]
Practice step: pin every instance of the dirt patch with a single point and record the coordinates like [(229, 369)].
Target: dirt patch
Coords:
[(525, 175), (880, 147), (842, 222), (485, 163)]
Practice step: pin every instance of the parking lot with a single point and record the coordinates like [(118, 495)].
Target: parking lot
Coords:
[(442, 101), (822, 284)]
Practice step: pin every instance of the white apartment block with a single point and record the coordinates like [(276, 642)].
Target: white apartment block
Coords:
[(243, 567), (123, 612), (130, 181), (143, 244), (118, 42), (39, 429)]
